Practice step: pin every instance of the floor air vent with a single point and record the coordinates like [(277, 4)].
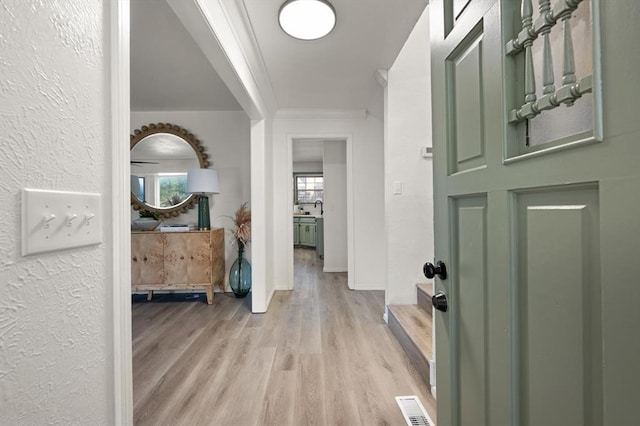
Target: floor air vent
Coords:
[(413, 411)]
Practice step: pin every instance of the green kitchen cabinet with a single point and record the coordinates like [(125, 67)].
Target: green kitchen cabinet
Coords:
[(304, 231), (307, 231), (296, 231)]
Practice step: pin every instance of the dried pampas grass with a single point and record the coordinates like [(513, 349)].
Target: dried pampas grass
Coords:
[(242, 221)]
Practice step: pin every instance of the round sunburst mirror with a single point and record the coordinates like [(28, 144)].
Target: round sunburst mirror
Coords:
[(161, 156)]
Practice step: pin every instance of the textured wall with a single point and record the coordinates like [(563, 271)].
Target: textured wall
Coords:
[(55, 322), (409, 216)]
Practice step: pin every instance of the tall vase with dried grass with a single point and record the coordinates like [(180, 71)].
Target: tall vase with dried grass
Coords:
[(240, 273)]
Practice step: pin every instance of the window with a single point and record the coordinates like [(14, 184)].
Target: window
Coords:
[(140, 192), (172, 188), (308, 188)]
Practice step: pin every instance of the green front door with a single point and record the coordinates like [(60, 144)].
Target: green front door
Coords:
[(537, 216)]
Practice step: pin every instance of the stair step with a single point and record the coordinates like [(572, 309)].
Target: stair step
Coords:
[(412, 326), (425, 291)]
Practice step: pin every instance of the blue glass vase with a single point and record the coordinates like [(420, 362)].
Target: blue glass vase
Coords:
[(240, 274)]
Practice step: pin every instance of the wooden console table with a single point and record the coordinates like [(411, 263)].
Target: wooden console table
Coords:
[(177, 261)]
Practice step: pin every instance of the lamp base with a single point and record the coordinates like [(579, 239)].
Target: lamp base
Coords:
[(204, 223)]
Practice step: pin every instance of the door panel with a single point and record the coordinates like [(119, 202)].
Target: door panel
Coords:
[(175, 258), (146, 258), (199, 258), (471, 278), (187, 258), (558, 306), (464, 69)]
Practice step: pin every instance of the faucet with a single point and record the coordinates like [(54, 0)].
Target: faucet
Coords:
[(316, 205)]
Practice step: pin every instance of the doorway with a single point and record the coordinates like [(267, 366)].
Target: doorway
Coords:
[(330, 220)]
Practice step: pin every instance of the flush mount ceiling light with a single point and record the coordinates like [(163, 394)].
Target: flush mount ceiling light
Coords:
[(307, 19)]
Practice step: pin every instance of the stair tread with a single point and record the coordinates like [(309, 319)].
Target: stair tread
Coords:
[(417, 324), (425, 288)]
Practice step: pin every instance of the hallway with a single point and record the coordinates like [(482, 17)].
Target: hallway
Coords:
[(321, 355)]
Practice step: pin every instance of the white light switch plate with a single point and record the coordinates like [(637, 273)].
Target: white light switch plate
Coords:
[(56, 220), (397, 188)]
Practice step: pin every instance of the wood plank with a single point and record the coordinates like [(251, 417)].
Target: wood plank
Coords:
[(403, 333), (418, 326), (320, 355), (425, 292)]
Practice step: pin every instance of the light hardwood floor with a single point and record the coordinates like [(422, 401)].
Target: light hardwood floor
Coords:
[(321, 355)]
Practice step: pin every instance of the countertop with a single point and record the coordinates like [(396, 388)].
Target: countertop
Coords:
[(307, 215)]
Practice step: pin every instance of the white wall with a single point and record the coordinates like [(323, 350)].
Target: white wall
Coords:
[(307, 166), (366, 136), (409, 216), (335, 206), (56, 332), (225, 136)]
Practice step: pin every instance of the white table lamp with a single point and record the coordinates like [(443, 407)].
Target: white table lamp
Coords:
[(203, 182)]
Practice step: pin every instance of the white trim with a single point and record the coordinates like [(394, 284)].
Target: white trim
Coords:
[(320, 114), (351, 263), (238, 18), (432, 376), (121, 265), (350, 211), (273, 292), (290, 273), (259, 298), (331, 270), (370, 288), (382, 75)]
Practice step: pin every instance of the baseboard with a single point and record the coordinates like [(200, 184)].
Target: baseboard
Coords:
[(269, 299), (325, 269), (361, 287), (432, 376), (385, 316)]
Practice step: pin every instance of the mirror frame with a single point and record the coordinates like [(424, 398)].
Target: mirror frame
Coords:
[(151, 129)]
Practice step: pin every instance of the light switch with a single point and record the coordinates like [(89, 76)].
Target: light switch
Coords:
[(56, 220), (397, 188)]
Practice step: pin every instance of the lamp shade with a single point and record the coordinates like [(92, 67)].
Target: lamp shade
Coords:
[(203, 181)]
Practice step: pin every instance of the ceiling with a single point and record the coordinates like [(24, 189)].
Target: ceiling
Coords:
[(337, 71), (169, 71), (307, 150), (162, 146)]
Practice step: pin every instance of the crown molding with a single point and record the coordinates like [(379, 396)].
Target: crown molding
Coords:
[(238, 18), (320, 114), (382, 75)]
